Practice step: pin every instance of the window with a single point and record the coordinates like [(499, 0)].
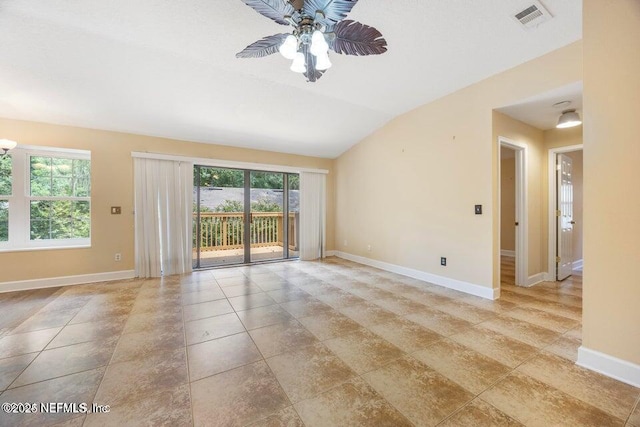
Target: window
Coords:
[(45, 199)]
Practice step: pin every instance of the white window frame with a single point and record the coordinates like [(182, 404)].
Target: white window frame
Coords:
[(20, 201)]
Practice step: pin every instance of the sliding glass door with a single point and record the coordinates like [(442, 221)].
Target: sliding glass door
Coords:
[(239, 216)]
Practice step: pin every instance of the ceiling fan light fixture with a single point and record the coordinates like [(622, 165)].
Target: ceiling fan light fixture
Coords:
[(569, 119), (322, 61), (319, 45), (298, 65), (289, 48)]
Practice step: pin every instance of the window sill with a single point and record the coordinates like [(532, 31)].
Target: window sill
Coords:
[(44, 248)]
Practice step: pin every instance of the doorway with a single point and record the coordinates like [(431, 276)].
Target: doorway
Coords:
[(565, 212), (513, 213), (243, 216)]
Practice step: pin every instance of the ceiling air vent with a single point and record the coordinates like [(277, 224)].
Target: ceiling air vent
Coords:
[(532, 16)]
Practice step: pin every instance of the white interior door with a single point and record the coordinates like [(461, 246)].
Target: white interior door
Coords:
[(564, 218)]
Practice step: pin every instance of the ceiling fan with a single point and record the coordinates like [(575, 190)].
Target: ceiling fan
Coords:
[(318, 26)]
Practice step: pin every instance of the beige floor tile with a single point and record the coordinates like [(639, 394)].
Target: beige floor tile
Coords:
[(144, 344), (104, 330), (215, 356), (464, 311), (167, 408), (263, 316), (363, 350), (246, 302), (634, 419), (400, 305), (133, 379), (99, 309), (237, 397), (287, 417), (282, 337), (212, 328), (470, 369), (368, 314), (75, 388), (353, 403), (329, 324), (305, 307), (534, 403), (285, 295), (11, 367), (67, 360), (566, 347), (542, 318), (597, 390), (405, 334), (424, 396), (28, 342), (520, 330), (226, 282), (307, 372), (46, 320), (236, 291), (198, 297), (339, 298), (479, 413), (154, 321), (505, 350), (275, 284), (206, 309), (438, 321)]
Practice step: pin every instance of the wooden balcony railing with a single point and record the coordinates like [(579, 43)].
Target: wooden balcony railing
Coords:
[(225, 230)]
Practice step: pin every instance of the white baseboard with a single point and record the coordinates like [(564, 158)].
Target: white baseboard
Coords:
[(536, 278), (610, 366), (507, 252), (549, 277), (23, 285), (330, 253), (577, 264), (458, 285)]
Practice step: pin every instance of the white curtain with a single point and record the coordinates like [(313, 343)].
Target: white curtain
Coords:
[(163, 211), (312, 215)]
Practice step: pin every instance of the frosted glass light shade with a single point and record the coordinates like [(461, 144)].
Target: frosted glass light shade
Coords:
[(569, 119), (318, 43), (298, 65), (7, 144), (289, 48), (323, 62)]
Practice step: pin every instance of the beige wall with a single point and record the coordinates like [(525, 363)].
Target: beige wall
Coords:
[(508, 204), (533, 138), (611, 299), (409, 189), (112, 185), (578, 200)]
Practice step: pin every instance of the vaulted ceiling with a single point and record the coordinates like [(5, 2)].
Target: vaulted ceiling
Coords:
[(168, 68)]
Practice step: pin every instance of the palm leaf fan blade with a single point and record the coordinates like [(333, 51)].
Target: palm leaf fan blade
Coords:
[(312, 74), (263, 47), (354, 38), (333, 10), (272, 9)]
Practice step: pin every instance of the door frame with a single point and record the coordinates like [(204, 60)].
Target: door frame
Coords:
[(522, 215), (552, 157)]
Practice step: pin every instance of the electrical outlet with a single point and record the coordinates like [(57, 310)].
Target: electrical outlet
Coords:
[(443, 261), (118, 257), (369, 248)]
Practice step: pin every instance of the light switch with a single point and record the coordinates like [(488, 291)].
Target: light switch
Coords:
[(116, 210), (478, 209)]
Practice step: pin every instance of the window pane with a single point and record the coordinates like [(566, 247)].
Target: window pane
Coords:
[(81, 178), (40, 176), (61, 187), (62, 167), (60, 219), (4, 220), (5, 175)]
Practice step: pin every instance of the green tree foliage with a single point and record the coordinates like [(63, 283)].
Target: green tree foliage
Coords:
[(5, 190), (232, 178), (58, 177)]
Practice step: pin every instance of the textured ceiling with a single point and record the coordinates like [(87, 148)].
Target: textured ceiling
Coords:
[(168, 68)]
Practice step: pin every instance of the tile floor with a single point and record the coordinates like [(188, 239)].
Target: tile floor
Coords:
[(318, 344)]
